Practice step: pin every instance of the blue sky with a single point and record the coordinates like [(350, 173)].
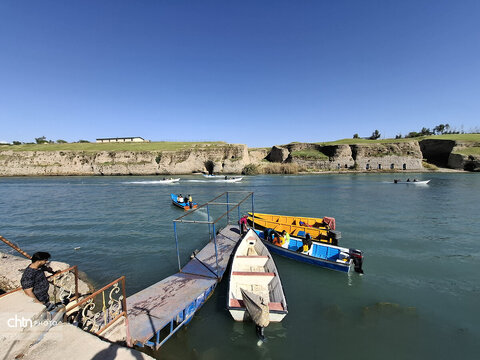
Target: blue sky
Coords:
[(253, 72)]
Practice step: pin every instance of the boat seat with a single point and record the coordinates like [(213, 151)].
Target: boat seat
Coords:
[(275, 306), (294, 244), (249, 273), (332, 254), (319, 251), (253, 278)]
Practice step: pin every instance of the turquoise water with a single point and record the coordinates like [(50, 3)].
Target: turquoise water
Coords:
[(419, 297)]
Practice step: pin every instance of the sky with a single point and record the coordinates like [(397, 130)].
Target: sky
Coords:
[(260, 72)]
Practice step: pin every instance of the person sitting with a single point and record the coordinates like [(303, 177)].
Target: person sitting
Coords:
[(306, 244), (180, 198), (408, 180), (276, 240), (286, 237)]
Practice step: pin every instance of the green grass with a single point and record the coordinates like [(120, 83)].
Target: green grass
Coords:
[(97, 147), (309, 155), (459, 137), (474, 150)]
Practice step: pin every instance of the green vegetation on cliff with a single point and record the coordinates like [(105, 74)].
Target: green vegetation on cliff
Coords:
[(309, 155), (453, 137)]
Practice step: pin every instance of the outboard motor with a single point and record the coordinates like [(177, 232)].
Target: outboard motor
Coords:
[(357, 257), (335, 236)]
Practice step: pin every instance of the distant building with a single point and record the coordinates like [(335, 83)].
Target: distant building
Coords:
[(123, 139)]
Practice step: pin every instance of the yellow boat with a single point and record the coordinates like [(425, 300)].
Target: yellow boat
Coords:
[(318, 234), (319, 223)]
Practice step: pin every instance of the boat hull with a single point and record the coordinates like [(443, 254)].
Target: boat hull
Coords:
[(345, 268), (182, 205), (322, 235), (256, 272)]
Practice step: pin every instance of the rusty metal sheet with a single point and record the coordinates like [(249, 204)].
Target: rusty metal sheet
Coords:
[(154, 307)]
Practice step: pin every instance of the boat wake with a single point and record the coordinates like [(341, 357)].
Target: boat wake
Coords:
[(152, 182)]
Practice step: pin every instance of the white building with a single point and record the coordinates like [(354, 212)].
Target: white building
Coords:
[(124, 139)]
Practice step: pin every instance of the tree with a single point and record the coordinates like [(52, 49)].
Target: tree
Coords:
[(83, 141), (61, 141), (355, 136), (41, 140), (425, 132), (375, 135), (17, 142)]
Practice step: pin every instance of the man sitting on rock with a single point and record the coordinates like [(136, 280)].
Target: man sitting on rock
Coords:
[(34, 281)]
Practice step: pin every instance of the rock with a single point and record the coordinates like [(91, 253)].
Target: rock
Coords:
[(278, 154)]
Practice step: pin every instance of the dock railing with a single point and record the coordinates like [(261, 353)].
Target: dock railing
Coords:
[(230, 207), (100, 310)]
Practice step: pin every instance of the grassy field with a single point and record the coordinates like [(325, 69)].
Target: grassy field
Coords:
[(459, 137), (94, 147), (309, 155), (474, 150)]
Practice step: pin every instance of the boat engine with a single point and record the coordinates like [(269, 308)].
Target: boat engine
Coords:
[(357, 257), (335, 236)]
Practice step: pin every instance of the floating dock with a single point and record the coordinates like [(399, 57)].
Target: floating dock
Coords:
[(157, 312)]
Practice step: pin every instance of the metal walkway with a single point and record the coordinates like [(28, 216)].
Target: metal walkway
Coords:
[(157, 312)]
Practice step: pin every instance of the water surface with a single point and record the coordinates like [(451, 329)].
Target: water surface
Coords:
[(419, 297)]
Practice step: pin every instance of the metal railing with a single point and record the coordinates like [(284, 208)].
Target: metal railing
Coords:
[(62, 287), (100, 310)]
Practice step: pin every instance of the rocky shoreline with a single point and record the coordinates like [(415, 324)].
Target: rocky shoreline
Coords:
[(412, 156)]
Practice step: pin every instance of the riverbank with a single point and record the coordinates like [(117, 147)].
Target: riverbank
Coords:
[(221, 158), (29, 331)]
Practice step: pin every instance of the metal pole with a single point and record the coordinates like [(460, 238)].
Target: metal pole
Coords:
[(209, 225), (176, 243), (76, 282), (239, 218), (227, 208), (253, 213), (215, 243), (15, 247)]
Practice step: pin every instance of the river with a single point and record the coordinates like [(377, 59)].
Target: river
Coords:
[(418, 298)]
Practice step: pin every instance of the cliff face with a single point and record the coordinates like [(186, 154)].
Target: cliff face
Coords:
[(221, 159), (449, 153), (403, 156), (232, 159)]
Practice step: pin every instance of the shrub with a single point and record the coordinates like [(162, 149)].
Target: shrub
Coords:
[(250, 169)]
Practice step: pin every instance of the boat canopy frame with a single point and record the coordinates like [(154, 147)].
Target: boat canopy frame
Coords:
[(230, 207)]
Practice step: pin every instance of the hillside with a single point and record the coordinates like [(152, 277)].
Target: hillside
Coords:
[(155, 158)]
